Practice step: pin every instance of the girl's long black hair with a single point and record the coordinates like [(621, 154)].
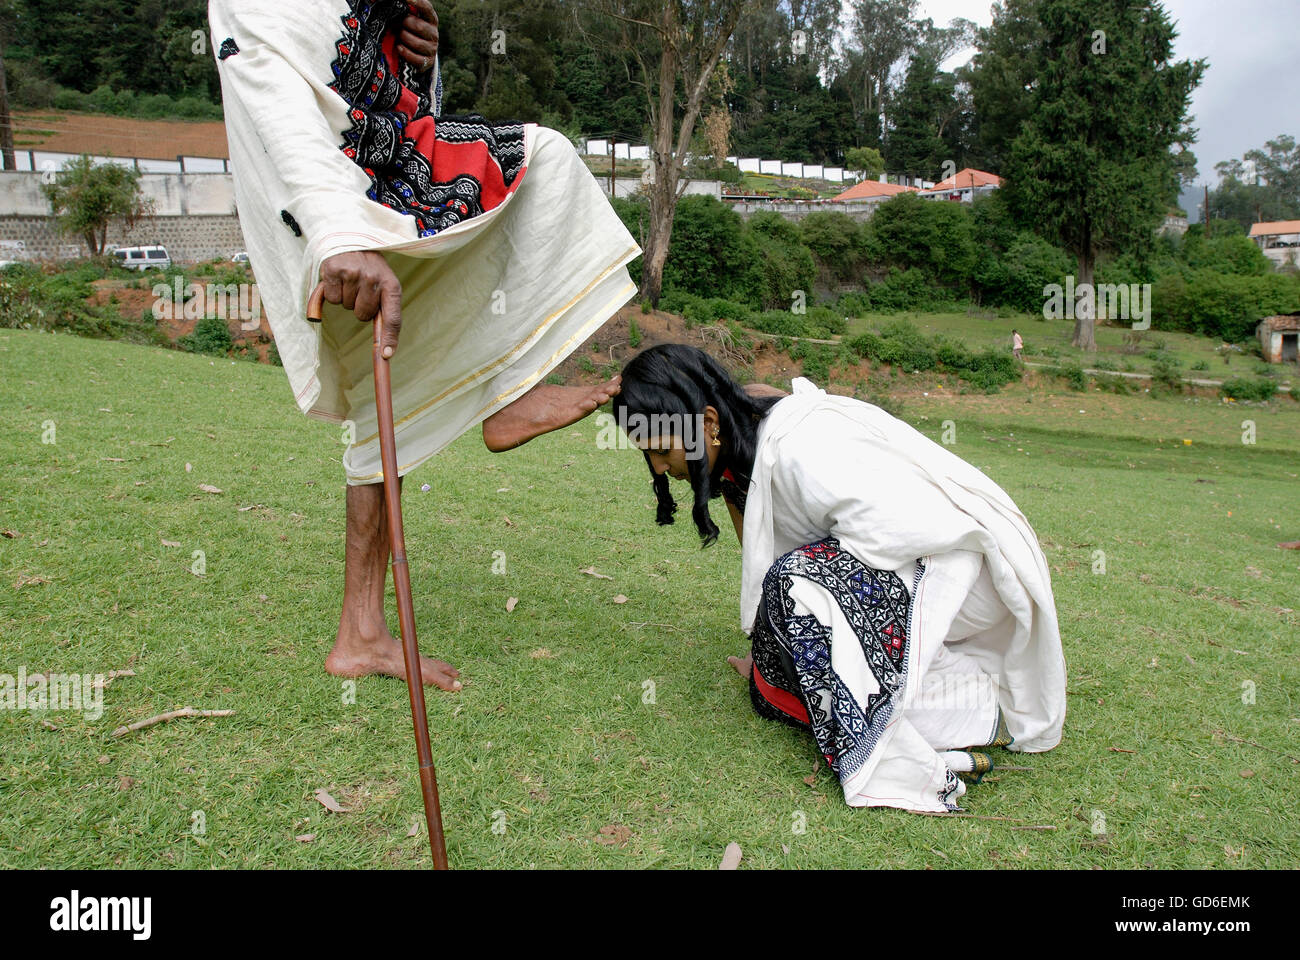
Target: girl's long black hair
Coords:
[(676, 379)]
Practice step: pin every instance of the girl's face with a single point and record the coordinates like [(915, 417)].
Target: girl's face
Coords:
[(668, 454)]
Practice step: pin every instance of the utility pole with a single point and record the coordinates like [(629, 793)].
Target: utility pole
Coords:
[(613, 168), (1207, 211)]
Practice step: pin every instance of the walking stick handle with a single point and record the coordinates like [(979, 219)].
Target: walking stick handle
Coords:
[(316, 305)]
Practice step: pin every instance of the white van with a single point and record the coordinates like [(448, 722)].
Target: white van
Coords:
[(143, 258)]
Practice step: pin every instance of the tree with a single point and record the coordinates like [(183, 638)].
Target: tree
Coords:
[(7, 16), (913, 145), (1002, 75), (866, 159), (673, 49), (1092, 168), (85, 197), (881, 34), (1262, 186)]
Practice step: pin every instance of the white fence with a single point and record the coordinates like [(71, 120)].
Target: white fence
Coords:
[(42, 160), (778, 168)]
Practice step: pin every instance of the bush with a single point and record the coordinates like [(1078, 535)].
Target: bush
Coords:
[(211, 336), (901, 290), (712, 254), (990, 370), (1166, 373), (936, 238), (633, 334), (818, 358), (836, 241), (1115, 383), (57, 301), (1219, 305), (1017, 277), (1244, 388), (785, 265), (1072, 374)]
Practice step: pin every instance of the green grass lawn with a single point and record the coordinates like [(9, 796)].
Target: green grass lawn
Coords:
[(553, 738), (1048, 341)]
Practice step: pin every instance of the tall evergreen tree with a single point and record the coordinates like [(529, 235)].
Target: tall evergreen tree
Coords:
[(1091, 169)]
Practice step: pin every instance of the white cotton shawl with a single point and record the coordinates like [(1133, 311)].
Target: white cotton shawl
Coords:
[(835, 466), (490, 305)]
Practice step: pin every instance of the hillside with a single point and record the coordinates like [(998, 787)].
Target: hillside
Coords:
[(62, 131)]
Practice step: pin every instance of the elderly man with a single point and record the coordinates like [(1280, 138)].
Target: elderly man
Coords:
[(488, 246)]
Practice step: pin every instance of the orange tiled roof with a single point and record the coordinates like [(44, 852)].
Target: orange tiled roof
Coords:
[(870, 189), (968, 179), (1275, 228)]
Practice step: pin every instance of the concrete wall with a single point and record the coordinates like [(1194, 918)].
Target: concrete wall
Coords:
[(190, 238), (630, 186), (173, 194), (194, 218), (797, 211)]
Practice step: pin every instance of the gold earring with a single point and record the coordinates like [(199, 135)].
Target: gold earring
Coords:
[(716, 441)]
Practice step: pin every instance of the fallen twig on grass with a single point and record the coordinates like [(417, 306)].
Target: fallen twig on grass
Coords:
[(1035, 827), (169, 715), (111, 676), (1252, 743)]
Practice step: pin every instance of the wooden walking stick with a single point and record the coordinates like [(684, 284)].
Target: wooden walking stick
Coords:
[(401, 581)]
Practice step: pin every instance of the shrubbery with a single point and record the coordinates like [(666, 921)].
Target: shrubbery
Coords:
[(1250, 389), (903, 346), (211, 335), (124, 103), (1224, 306), (57, 301)]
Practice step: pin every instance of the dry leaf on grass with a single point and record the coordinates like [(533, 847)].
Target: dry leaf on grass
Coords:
[(305, 837), (189, 467), (511, 604), (591, 572), (415, 829), (170, 543), (209, 488), (329, 803), (10, 534), (730, 857), (811, 779), (620, 599), (24, 581), (614, 835), (542, 654)]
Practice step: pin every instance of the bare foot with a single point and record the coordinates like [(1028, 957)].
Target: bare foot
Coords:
[(358, 656), (743, 665), (542, 409)]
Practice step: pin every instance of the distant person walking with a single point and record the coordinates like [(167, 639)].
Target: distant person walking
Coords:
[(1017, 345)]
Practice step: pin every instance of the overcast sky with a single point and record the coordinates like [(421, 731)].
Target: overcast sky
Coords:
[(1249, 94)]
